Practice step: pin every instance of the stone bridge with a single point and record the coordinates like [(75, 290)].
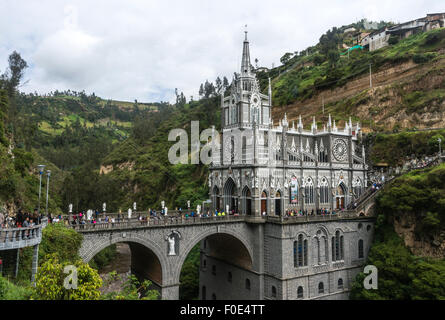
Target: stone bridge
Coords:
[(152, 255), (236, 239)]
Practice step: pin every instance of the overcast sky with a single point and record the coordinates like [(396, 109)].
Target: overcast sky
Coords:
[(131, 49)]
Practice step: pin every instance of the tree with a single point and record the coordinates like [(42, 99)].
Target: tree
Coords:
[(11, 78), (287, 56), (433, 142), (333, 57), (225, 83), (51, 277), (201, 90), (209, 89), (218, 83)]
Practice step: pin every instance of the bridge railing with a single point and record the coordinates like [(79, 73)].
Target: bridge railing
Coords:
[(155, 221), (20, 237), (122, 216)]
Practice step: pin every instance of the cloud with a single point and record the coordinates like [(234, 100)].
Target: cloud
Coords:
[(144, 49)]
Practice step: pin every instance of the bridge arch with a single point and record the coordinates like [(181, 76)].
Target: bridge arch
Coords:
[(208, 233), (146, 250)]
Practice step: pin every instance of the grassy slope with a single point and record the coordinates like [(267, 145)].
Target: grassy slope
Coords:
[(402, 88)]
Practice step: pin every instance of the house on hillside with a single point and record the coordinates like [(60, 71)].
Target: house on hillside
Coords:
[(379, 39), (262, 69), (351, 29)]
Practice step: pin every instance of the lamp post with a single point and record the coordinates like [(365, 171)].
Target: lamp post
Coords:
[(40, 167), (48, 173)]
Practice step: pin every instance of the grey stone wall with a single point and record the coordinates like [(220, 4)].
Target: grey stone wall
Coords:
[(270, 247)]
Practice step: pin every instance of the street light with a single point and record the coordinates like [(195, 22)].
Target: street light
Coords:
[(48, 173), (40, 167)]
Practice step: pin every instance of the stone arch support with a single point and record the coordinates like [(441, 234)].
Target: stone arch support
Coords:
[(212, 230), (93, 243)]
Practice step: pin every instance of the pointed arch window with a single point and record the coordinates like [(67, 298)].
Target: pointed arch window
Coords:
[(324, 191), (300, 252), (360, 249), (300, 292), (340, 284), (321, 287), (337, 247), (309, 191)]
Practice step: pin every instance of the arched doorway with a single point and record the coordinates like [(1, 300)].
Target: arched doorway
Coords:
[(278, 203), (340, 196), (216, 199), (230, 196), (247, 201), (264, 203)]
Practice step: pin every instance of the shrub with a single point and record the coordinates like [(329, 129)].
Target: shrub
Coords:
[(9, 291), (393, 40), (50, 281), (423, 57)]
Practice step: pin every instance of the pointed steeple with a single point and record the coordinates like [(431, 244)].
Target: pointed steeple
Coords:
[(245, 61), (300, 123), (308, 148), (314, 125), (284, 122)]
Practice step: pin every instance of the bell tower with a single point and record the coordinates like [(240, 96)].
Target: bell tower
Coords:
[(245, 105)]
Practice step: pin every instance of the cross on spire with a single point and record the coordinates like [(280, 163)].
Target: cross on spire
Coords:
[(245, 62)]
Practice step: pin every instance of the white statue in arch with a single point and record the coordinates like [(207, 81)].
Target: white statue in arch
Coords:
[(165, 210), (129, 213), (198, 209), (171, 245), (70, 210)]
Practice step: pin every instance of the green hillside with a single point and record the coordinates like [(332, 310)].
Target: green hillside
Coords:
[(415, 199)]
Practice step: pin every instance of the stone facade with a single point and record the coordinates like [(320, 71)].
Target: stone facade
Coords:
[(282, 276), (265, 169)]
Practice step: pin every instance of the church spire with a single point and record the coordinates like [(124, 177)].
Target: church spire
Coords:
[(245, 62)]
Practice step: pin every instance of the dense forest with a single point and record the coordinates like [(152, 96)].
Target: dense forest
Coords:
[(416, 199)]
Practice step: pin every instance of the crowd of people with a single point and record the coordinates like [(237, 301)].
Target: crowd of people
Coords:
[(20, 220), (300, 213)]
